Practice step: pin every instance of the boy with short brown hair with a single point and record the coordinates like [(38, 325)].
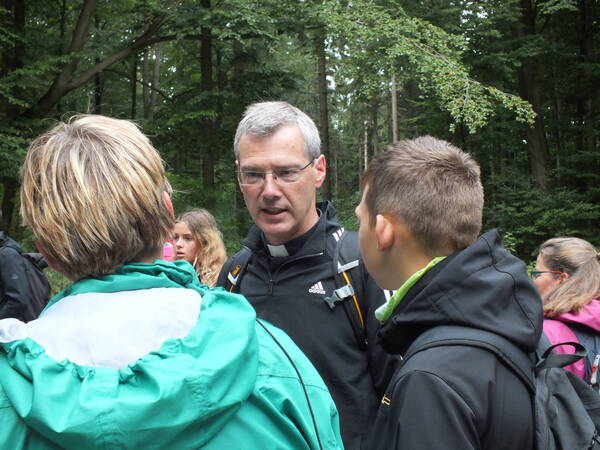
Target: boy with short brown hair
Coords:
[(419, 216)]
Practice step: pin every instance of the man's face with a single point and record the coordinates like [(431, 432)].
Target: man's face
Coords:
[(282, 211)]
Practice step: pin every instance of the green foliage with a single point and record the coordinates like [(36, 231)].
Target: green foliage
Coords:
[(458, 65), (386, 40), (57, 281)]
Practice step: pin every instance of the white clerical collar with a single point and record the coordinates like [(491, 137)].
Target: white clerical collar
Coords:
[(277, 251)]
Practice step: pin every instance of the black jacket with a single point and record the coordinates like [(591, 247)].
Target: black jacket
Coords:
[(459, 397), (286, 296), (14, 287)]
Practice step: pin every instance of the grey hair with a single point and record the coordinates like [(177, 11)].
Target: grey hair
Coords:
[(265, 118)]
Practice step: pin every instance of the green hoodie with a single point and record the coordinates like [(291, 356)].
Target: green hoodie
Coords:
[(225, 385)]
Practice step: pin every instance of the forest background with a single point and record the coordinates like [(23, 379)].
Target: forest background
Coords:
[(514, 82)]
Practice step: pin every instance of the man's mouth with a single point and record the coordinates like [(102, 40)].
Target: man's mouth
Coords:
[(273, 211)]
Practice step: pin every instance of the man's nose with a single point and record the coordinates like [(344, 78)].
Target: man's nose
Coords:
[(270, 186)]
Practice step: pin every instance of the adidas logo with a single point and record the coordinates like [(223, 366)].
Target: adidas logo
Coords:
[(317, 288)]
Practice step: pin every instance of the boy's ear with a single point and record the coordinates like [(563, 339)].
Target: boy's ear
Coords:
[(168, 203), (384, 232)]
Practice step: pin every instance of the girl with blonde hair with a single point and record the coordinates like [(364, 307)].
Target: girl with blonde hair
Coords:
[(567, 276), (197, 240)]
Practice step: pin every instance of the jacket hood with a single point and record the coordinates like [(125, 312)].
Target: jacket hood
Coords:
[(588, 316), (179, 396), (6, 241), (318, 240), (482, 286)]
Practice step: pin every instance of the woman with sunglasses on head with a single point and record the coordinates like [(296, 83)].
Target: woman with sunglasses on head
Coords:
[(197, 240), (567, 276)]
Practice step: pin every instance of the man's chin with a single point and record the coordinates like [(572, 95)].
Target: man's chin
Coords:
[(276, 233)]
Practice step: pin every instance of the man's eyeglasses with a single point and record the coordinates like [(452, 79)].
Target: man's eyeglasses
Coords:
[(535, 274), (285, 176)]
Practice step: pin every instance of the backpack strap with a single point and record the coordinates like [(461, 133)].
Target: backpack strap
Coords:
[(444, 335), (591, 341), (237, 267), (349, 282), (524, 365)]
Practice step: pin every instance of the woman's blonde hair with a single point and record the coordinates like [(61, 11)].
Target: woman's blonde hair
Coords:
[(211, 254), (92, 193), (580, 260)]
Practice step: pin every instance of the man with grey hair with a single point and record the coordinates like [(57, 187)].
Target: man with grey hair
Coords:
[(300, 269)]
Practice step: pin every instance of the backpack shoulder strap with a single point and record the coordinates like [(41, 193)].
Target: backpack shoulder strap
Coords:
[(348, 280), (591, 341), (237, 267), (444, 335)]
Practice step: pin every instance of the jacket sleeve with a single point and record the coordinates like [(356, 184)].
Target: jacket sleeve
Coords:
[(13, 280), (382, 365), (423, 412)]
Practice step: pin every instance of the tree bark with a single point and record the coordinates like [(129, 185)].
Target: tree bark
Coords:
[(8, 201), (206, 123), (323, 107), (394, 109), (537, 145), (11, 59), (374, 114), (133, 87)]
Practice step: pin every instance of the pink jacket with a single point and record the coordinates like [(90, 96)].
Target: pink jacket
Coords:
[(557, 330)]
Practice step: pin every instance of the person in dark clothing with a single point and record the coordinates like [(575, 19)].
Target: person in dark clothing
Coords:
[(17, 299), (419, 216), (290, 279)]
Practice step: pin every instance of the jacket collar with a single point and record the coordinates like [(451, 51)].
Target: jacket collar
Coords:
[(482, 286)]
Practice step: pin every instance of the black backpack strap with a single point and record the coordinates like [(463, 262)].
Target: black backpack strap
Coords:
[(590, 339), (523, 365), (517, 360), (236, 268), (349, 282)]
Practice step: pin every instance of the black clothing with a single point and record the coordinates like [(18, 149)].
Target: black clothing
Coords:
[(16, 297), (292, 297), (461, 397)]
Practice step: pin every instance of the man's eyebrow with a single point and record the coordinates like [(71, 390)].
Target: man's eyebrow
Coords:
[(251, 168), (286, 166)]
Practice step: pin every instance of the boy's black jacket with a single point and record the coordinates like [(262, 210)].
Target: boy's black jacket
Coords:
[(461, 397)]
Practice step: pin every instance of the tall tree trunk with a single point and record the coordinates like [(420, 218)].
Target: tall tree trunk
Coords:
[(11, 59), (373, 132), (394, 109), (206, 123), (151, 74), (585, 100), (323, 109), (98, 79), (537, 145), (237, 84), (134, 70)]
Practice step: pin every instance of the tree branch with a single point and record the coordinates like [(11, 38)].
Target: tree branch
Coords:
[(148, 85)]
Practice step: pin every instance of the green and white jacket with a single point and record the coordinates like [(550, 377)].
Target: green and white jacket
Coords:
[(147, 358)]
